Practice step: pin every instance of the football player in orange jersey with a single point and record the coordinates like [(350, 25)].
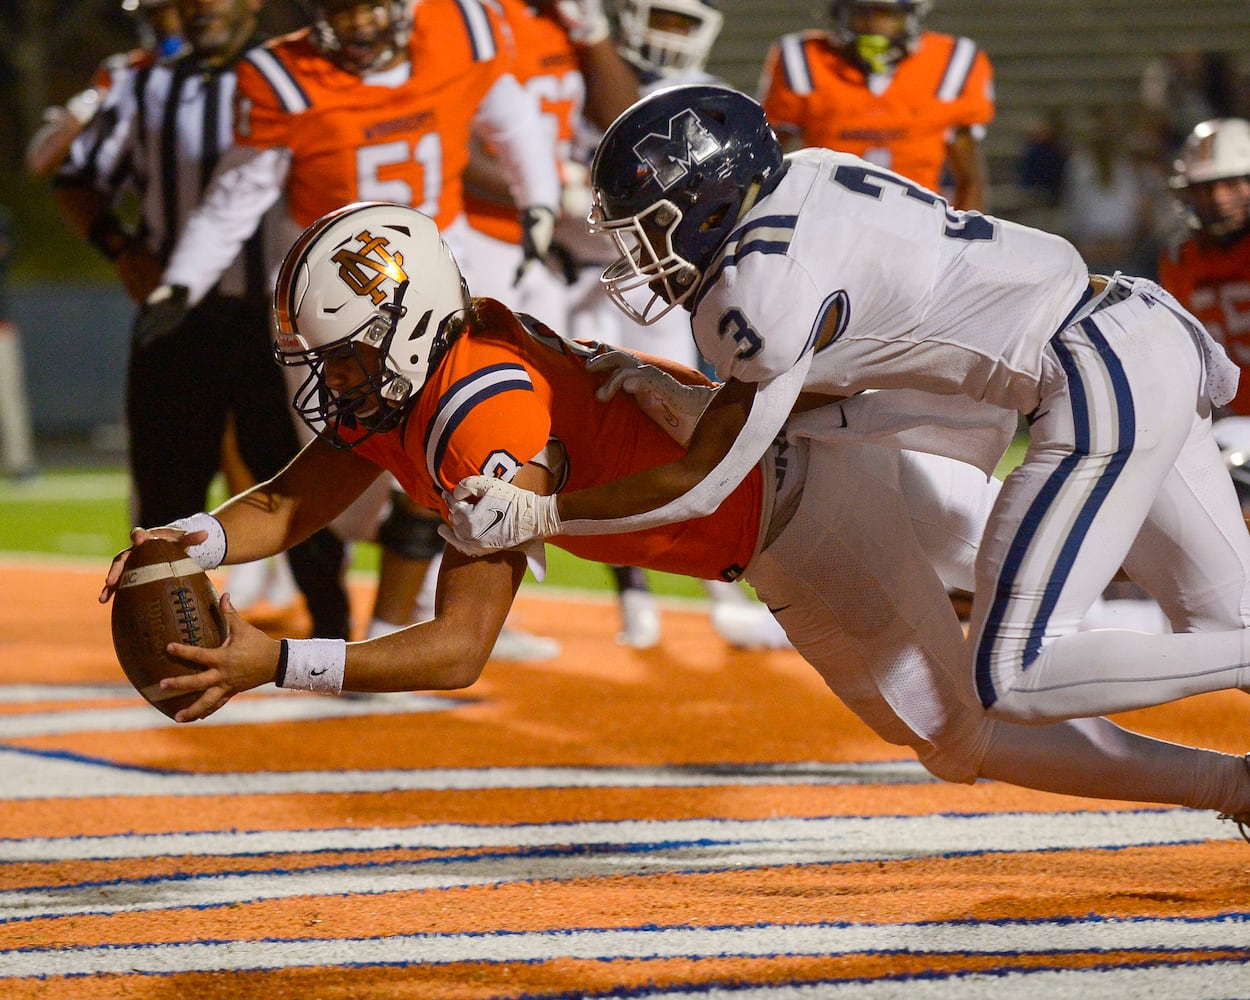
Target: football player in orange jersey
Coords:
[(880, 87), (408, 374), (1209, 271), (160, 36), (567, 61), (370, 101)]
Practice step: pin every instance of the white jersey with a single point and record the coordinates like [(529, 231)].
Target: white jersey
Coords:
[(815, 268)]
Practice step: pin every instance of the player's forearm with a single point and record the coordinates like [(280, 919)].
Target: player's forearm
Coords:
[(509, 119), (611, 83), (450, 651), (317, 486), (732, 435), (713, 438), (80, 206)]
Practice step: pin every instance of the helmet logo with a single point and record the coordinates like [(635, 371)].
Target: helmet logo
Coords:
[(365, 269), (669, 156)]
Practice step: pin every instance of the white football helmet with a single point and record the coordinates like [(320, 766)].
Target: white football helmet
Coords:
[(370, 275), (668, 37), (1216, 150)]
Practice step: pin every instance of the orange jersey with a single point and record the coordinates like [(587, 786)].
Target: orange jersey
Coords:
[(547, 67), (352, 140), (811, 88), (1213, 283), (496, 399)]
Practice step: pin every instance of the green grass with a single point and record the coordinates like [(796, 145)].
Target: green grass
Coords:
[(83, 513)]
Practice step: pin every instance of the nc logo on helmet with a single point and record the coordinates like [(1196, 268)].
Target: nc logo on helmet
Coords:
[(669, 156), (365, 269)]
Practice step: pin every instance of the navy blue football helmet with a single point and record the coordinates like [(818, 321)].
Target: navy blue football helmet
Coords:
[(670, 179)]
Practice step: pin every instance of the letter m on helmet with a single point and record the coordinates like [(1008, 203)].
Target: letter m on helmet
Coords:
[(669, 156)]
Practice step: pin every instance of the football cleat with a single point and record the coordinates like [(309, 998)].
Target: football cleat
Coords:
[(640, 619), (516, 646), (748, 626)]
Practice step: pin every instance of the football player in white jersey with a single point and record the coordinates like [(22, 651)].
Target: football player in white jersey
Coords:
[(666, 42), (818, 276)]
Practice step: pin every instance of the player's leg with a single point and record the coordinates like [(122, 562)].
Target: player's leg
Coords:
[(17, 447), (949, 504), (1103, 448), (1193, 550), (849, 581), (859, 603), (267, 441), (176, 404), (409, 541)]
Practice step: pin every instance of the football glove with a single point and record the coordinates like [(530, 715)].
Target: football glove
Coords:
[(162, 312), (584, 20), (488, 514), (538, 227), (673, 405)]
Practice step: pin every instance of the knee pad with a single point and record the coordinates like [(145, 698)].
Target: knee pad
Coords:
[(409, 531)]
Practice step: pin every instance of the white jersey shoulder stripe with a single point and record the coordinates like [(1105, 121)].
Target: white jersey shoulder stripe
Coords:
[(794, 59), (287, 89), (957, 69), (460, 399), (481, 33)]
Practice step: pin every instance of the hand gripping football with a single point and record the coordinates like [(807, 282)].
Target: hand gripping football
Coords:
[(163, 596)]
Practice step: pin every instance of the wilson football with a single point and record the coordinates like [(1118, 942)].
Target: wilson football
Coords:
[(163, 597)]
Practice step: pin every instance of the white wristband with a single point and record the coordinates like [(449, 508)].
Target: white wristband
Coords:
[(211, 552), (312, 665)]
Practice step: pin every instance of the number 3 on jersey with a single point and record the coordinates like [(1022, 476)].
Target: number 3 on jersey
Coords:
[(734, 325), (378, 165)]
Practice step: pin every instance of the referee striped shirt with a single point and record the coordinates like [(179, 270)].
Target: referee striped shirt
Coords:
[(159, 135)]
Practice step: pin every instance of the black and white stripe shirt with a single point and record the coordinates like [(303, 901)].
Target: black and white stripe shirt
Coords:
[(159, 135)]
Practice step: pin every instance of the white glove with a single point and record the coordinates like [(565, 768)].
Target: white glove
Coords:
[(676, 407), (584, 20), (503, 516)]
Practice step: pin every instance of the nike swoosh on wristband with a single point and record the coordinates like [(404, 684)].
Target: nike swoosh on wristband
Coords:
[(317, 673), (498, 517)]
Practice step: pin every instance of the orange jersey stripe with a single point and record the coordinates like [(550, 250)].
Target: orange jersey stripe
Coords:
[(947, 83), (355, 141), (499, 395)]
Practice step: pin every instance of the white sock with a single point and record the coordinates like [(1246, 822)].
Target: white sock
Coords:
[(1098, 759)]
